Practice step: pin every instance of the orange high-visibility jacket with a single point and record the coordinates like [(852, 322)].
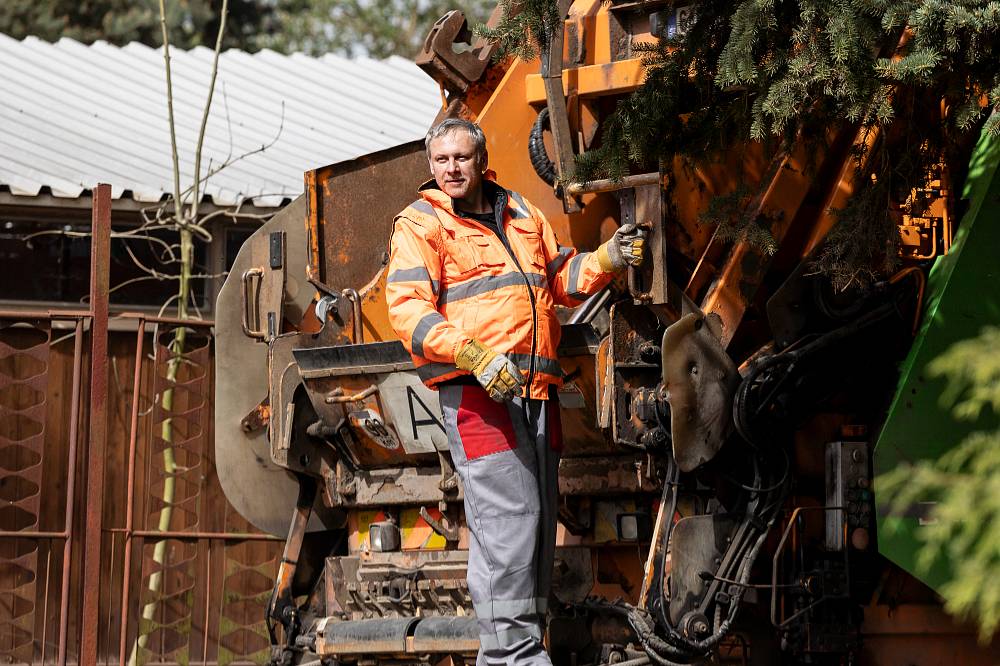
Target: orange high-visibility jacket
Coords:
[(451, 279)]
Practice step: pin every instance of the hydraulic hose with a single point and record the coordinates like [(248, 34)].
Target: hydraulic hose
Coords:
[(540, 161), (664, 652)]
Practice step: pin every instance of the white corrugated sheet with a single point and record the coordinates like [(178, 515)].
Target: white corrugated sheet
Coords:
[(73, 115)]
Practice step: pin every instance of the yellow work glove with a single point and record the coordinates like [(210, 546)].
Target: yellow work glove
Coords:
[(625, 248), (497, 373)]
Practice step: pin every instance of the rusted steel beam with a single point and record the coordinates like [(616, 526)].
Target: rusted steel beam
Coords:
[(28, 534), (172, 321), (74, 424), (92, 564), (44, 314), (130, 487), (195, 536)]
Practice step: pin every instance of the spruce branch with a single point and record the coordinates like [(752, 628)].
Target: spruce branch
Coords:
[(523, 28)]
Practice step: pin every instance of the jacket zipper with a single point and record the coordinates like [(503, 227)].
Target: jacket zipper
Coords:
[(534, 312), (527, 284)]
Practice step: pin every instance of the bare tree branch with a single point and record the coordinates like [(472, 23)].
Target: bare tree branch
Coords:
[(193, 209), (170, 111), (230, 162)]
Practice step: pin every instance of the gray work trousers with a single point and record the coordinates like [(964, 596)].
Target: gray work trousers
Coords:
[(507, 456)]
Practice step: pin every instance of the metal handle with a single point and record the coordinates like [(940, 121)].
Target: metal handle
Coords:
[(355, 299), (251, 306)]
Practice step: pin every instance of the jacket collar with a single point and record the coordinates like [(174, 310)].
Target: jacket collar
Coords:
[(430, 191)]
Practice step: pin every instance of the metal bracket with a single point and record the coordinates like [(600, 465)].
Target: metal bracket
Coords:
[(258, 417), (450, 57), (449, 479), (445, 527)]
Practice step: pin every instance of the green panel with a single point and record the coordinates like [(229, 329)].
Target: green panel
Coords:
[(963, 296)]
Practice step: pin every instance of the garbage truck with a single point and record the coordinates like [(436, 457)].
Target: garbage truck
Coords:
[(725, 407)]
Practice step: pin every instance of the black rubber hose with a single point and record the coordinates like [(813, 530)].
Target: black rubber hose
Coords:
[(540, 161)]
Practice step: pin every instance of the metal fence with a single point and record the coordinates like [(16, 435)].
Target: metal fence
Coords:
[(119, 546)]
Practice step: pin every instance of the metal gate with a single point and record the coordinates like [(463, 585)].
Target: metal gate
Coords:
[(119, 546)]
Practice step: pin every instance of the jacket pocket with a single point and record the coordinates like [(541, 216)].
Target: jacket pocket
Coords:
[(472, 253), (527, 240)]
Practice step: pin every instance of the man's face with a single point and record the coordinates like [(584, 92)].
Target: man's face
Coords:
[(457, 169)]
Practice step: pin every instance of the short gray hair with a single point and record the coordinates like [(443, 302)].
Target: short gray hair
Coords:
[(449, 125)]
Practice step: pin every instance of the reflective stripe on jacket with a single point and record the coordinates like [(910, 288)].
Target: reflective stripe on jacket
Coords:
[(451, 279)]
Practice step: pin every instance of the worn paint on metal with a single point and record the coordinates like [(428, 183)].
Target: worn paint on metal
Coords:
[(613, 78), (93, 563)]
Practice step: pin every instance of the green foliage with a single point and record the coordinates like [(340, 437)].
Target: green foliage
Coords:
[(349, 27), (965, 523), (190, 22), (376, 28), (865, 241), (756, 69), (732, 216), (972, 368), (523, 29)]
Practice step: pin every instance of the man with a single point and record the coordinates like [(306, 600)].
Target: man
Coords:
[(475, 273)]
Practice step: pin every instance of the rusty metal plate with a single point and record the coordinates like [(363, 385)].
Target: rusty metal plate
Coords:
[(355, 202)]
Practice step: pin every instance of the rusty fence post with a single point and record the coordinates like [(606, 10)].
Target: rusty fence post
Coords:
[(130, 488), (96, 450), (74, 424)]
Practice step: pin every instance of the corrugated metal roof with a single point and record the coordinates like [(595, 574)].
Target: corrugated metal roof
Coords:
[(73, 115)]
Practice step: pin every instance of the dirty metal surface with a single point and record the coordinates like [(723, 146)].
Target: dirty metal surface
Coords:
[(445, 634), (608, 475), (415, 411), (24, 379), (635, 366), (697, 544), (350, 214), (96, 453), (779, 207), (701, 381), (394, 486), (263, 284), (291, 413), (384, 584), (383, 635), (412, 485), (572, 574), (362, 359), (260, 490), (650, 285)]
